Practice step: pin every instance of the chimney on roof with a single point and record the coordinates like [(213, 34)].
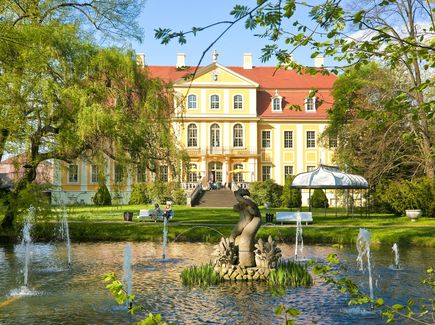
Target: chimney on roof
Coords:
[(319, 61), (140, 59), (181, 60), (247, 60)]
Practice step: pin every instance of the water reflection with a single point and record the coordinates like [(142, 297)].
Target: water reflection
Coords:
[(78, 296)]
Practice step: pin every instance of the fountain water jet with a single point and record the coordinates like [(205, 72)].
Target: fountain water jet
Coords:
[(395, 249), (26, 241), (299, 245), (165, 235), (64, 232), (363, 246), (128, 274)]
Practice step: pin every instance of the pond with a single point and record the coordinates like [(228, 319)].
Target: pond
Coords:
[(59, 295)]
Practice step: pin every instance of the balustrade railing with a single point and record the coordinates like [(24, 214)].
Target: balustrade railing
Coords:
[(245, 151)]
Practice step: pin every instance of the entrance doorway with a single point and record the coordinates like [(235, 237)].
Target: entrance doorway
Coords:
[(215, 171)]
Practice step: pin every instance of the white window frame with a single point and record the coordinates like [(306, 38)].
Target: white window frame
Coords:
[(193, 176), (188, 137), (286, 172), (332, 142), (310, 104), (285, 140), (240, 138), (238, 103), (163, 173), (263, 139), (217, 139), (141, 174), (94, 173), (264, 174), (193, 101), (76, 172), (310, 141), (238, 177), (118, 174), (213, 103), (278, 100)]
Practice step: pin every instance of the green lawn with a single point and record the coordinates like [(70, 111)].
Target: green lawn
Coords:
[(90, 223)]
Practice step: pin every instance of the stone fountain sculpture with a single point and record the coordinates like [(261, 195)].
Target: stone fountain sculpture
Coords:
[(239, 257)]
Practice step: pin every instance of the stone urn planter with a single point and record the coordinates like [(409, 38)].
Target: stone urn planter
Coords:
[(413, 214)]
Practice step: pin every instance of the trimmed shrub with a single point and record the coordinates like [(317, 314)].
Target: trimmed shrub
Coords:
[(266, 192), (319, 199), (291, 197), (102, 197)]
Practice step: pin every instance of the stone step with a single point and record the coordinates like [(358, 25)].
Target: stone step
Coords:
[(217, 199)]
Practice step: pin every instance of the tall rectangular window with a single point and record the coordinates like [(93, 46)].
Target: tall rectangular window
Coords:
[(310, 104), (288, 139), (119, 173), (191, 102), (265, 139), (73, 173), (94, 173), (238, 102), (238, 135), (288, 171), (311, 139), (214, 102), (192, 135), (164, 173), (141, 175), (332, 142), (266, 173)]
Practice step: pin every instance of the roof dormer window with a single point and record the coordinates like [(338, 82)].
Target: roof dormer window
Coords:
[(276, 102), (310, 104)]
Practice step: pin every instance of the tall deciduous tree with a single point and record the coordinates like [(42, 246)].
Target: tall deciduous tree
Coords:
[(396, 33), (62, 96)]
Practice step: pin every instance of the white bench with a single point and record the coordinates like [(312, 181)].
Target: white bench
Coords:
[(151, 214), (292, 216)]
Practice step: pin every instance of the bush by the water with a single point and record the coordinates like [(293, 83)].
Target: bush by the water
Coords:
[(200, 276), (266, 192), (290, 274), (102, 197), (319, 199), (291, 197), (404, 194)]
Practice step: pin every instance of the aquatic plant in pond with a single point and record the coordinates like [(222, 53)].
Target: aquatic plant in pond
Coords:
[(201, 276), (289, 274)]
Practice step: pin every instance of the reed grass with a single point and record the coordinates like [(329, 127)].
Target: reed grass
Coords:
[(290, 274), (200, 276)]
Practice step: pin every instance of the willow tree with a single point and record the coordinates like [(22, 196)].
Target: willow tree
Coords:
[(63, 97)]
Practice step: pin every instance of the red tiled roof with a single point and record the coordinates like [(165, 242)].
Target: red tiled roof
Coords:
[(293, 87)]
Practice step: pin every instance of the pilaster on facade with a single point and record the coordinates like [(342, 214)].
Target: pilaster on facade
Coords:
[(300, 145), (277, 153), (83, 175)]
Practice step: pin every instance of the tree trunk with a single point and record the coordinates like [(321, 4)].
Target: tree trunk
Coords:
[(4, 133)]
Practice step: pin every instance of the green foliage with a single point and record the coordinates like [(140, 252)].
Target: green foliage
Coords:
[(102, 197), (179, 196), (266, 192), (289, 274), (403, 195), (319, 199), (291, 197), (200, 276), (290, 313), (140, 194)]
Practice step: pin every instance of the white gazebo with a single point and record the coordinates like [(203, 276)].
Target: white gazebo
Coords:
[(329, 177)]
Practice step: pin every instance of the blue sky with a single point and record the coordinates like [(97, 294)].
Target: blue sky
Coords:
[(183, 15)]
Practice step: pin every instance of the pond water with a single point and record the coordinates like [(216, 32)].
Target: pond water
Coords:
[(59, 295)]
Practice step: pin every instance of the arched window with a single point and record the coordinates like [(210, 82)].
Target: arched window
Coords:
[(215, 135), (238, 175), (214, 102), (276, 102), (238, 135), (192, 135), (193, 173), (238, 102), (191, 101)]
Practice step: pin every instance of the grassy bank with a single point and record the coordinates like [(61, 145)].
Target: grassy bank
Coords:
[(207, 225)]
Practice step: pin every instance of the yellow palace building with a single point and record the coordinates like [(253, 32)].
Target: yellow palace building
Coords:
[(239, 124)]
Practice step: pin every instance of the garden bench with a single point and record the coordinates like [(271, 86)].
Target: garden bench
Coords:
[(151, 214), (292, 217)]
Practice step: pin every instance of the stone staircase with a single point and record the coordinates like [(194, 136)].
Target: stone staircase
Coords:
[(222, 198)]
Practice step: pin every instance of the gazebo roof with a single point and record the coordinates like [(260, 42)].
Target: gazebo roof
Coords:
[(329, 177)]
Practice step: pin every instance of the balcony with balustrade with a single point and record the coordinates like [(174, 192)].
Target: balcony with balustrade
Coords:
[(223, 151)]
